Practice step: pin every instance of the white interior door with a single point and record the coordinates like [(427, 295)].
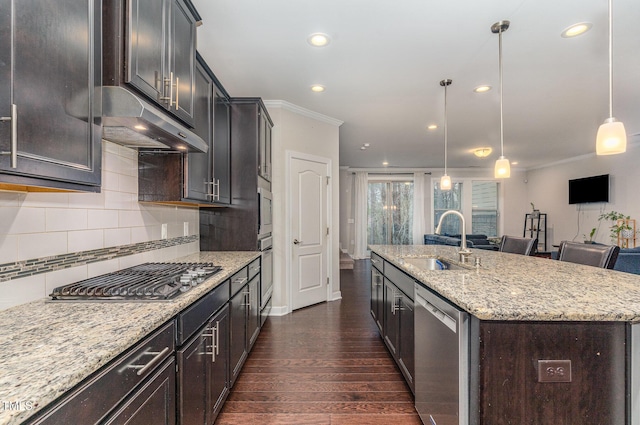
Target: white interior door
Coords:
[(308, 230)]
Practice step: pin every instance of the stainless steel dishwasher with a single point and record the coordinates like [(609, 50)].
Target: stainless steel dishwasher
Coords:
[(441, 360)]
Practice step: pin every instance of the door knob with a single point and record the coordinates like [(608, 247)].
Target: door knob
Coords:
[(297, 242)]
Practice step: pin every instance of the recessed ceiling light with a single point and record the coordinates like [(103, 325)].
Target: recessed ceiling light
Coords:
[(576, 29), (317, 88), (385, 163), (482, 152), (432, 127), (318, 39), (482, 89), (362, 148), (366, 145), (514, 162)]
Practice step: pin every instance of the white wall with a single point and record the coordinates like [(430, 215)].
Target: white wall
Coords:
[(300, 130), (37, 225), (548, 187)]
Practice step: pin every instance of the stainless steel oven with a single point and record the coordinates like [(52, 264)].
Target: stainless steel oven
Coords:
[(265, 223), (266, 249)]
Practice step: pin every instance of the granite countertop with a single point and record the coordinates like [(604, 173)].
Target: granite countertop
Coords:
[(516, 287), (47, 348)]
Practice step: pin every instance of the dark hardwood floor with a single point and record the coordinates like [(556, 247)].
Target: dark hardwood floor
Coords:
[(324, 364)]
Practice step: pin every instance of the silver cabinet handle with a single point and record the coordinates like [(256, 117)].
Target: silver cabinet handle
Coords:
[(157, 357), (297, 242), (216, 195), (177, 92), (14, 135), (240, 280), (170, 89), (217, 337)]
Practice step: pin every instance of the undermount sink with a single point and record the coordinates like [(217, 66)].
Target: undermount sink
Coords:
[(432, 263)]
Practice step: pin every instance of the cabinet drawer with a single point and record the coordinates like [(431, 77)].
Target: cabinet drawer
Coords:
[(376, 261), (191, 319), (93, 400), (399, 278), (238, 280), (254, 268)]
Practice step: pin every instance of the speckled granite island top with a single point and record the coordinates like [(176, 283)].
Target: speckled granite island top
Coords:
[(47, 348), (515, 287)]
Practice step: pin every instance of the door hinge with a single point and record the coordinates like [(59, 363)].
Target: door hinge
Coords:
[(328, 178), (327, 281), (327, 231)]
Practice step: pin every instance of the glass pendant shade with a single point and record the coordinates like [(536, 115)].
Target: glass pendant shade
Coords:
[(445, 182), (502, 169), (611, 138)]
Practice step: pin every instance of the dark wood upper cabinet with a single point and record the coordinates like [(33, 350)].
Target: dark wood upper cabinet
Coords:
[(198, 179), (209, 175), (50, 104), (151, 46)]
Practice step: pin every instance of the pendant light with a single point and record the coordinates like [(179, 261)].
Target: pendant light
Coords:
[(445, 180), (612, 137), (502, 169)]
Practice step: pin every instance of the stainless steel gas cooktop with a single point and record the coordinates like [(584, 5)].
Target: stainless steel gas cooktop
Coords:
[(145, 282)]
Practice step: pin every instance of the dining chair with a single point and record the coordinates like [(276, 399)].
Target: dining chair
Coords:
[(597, 255), (518, 245)]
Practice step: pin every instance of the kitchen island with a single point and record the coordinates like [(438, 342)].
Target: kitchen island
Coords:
[(47, 348), (524, 311)]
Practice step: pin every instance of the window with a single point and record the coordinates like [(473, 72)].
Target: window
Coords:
[(444, 200), (480, 203), (484, 210), (390, 212)]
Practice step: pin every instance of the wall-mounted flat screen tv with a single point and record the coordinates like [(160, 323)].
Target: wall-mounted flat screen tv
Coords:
[(589, 189)]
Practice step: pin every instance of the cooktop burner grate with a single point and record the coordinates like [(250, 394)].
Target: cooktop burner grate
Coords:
[(144, 282)]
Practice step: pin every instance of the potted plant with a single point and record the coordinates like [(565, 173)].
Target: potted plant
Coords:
[(619, 226), (591, 234), (534, 212)]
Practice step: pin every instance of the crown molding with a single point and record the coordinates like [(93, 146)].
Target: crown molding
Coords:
[(283, 104)]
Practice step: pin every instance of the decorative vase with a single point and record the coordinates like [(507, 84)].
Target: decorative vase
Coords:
[(627, 233)]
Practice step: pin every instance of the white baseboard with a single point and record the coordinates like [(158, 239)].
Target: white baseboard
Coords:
[(336, 296), (279, 311)]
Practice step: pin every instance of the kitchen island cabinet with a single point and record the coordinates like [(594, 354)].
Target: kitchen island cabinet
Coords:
[(50, 103), (56, 348), (581, 319)]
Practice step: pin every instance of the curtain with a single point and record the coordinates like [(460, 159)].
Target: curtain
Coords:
[(419, 218), (360, 215)]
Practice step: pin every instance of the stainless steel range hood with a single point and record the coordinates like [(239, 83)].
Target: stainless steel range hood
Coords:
[(130, 120)]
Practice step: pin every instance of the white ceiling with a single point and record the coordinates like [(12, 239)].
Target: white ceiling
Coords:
[(386, 58)]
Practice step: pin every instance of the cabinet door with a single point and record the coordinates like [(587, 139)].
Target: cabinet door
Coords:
[(192, 379), (198, 170), (253, 311), (264, 142), (153, 403), (219, 364), (182, 61), (147, 39), (377, 297), (406, 339), (54, 86), (221, 147), (391, 317), (237, 331)]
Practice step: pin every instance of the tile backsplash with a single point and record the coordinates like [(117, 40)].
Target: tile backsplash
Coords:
[(48, 226)]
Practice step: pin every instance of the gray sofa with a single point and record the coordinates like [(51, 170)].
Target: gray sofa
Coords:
[(473, 241)]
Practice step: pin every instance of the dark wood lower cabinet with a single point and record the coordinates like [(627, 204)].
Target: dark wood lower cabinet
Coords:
[(203, 372), (509, 391), (237, 331), (154, 403)]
